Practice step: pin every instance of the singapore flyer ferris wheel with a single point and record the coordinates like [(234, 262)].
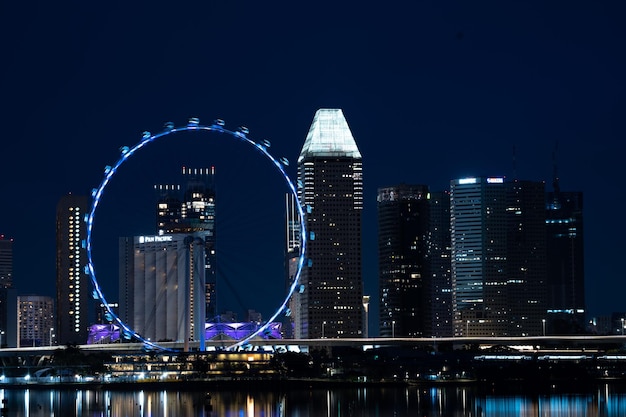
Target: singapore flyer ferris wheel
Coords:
[(240, 135)]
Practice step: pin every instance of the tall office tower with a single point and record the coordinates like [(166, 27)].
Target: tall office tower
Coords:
[(35, 321), (497, 260), (439, 251), (331, 174), (292, 256), (566, 273), (8, 295), (162, 286), (73, 296), (193, 212), (526, 257), (403, 229), (6, 262)]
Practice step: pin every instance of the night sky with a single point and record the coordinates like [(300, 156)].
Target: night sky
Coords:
[(431, 90)]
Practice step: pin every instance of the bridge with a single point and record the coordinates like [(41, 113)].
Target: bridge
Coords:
[(273, 345)]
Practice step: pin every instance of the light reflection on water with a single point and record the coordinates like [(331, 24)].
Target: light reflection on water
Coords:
[(449, 400)]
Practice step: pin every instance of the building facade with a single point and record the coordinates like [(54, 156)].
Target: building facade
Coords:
[(440, 268), (330, 178), (8, 296), (162, 286), (36, 321), (498, 257), (6, 262), (191, 210), (566, 269), (72, 282), (403, 234)]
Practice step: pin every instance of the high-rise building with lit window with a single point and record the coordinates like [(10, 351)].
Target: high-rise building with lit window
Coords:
[(72, 282), (498, 257), (403, 233), (8, 296), (330, 178), (6, 262), (439, 259), (191, 210), (35, 320)]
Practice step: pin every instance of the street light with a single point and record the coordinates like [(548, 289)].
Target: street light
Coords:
[(467, 328), (543, 325), (393, 328), (323, 326), (50, 338), (622, 319), (1, 333)]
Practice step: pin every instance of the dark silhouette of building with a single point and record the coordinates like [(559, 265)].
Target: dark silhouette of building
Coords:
[(565, 251), (440, 275), (331, 178), (403, 235), (8, 295), (72, 283), (526, 257)]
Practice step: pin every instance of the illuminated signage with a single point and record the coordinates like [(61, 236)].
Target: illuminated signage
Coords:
[(495, 180), (467, 181), (150, 239)]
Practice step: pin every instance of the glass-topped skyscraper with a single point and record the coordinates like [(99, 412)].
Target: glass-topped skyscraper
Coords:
[(330, 177)]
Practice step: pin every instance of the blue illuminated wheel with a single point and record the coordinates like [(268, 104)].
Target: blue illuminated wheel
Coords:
[(193, 124)]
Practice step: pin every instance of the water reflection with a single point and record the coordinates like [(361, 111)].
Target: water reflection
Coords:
[(462, 401)]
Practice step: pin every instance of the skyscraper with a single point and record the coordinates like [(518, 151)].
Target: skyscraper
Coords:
[(72, 283), (440, 274), (566, 273), (6, 262), (8, 296), (36, 320), (498, 257), (292, 256), (193, 212), (403, 234), (160, 279), (330, 177), (526, 257)]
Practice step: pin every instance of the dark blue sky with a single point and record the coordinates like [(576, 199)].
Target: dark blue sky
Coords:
[(432, 91)]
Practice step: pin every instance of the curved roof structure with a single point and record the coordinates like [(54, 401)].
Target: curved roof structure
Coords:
[(329, 136)]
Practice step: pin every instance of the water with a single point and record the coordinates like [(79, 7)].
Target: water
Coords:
[(463, 401)]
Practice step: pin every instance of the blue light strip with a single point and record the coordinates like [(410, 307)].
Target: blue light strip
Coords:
[(127, 152)]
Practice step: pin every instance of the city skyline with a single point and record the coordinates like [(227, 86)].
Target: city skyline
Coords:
[(431, 92)]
